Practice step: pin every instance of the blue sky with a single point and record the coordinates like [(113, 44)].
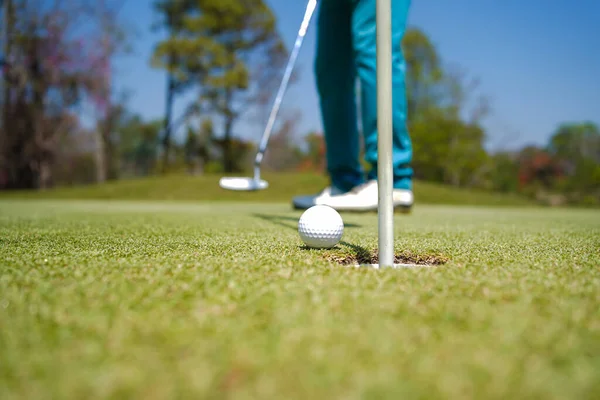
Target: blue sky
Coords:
[(537, 61)]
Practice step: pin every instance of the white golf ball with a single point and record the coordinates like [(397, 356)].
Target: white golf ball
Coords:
[(321, 227)]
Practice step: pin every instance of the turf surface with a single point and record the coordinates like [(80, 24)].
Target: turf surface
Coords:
[(159, 300), (283, 186)]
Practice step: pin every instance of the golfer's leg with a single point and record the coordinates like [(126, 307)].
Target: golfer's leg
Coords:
[(364, 36), (335, 78)]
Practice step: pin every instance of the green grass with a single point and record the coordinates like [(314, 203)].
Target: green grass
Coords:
[(159, 300), (282, 187)]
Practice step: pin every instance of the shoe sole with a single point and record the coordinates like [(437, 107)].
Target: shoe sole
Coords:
[(402, 209), (398, 209)]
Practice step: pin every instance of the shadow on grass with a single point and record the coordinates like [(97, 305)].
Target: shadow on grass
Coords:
[(361, 254), (356, 252), (291, 222), (352, 254)]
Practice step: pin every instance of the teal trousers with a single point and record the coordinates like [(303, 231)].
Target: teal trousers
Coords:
[(346, 50)]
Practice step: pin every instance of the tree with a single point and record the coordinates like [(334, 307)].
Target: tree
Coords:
[(448, 148), (108, 111), (242, 154), (171, 13), (575, 141), (56, 59), (314, 156), (466, 158), (577, 147), (538, 168), (138, 144), (197, 147), (283, 153), (205, 142), (107, 137), (423, 73), (447, 136), (223, 48), (504, 172), (75, 162)]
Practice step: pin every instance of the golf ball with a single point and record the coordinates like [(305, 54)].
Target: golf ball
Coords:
[(321, 227)]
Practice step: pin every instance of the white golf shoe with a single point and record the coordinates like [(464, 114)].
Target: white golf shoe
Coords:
[(362, 198), (305, 202)]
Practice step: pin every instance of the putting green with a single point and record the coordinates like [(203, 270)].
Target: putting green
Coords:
[(153, 300)]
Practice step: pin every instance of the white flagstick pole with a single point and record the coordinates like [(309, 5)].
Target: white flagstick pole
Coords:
[(384, 131)]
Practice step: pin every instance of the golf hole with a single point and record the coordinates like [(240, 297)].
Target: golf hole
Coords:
[(404, 259)]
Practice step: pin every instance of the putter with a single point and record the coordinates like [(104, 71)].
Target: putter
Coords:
[(256, 183)]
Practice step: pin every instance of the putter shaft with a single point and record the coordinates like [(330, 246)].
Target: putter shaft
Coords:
[(310, 8)]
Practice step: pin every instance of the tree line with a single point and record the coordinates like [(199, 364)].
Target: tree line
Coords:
[(63, 123)]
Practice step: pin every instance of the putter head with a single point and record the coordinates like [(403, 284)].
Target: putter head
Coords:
[(243, 184)]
